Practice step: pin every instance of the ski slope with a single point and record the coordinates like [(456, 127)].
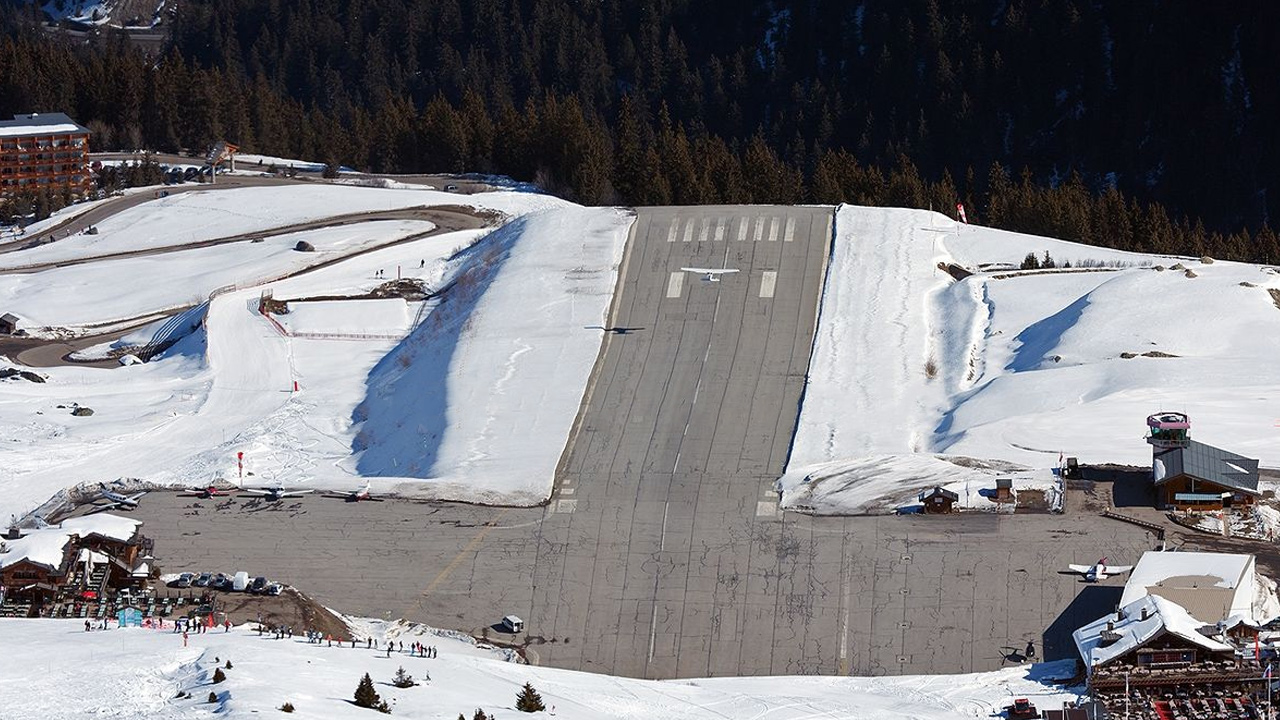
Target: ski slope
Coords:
[(64, 673), (1018, 367)]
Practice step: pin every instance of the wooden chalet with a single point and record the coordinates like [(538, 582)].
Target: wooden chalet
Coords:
[(938, 500)]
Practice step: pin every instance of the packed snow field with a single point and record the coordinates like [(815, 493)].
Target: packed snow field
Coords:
[(64, 672), (1014, 368), (302, 409)]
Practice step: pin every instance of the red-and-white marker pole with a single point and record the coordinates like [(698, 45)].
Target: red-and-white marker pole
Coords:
[(960, 211), (240, 464)]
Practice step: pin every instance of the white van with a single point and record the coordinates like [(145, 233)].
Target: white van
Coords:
[(240, 582), (513, 624)]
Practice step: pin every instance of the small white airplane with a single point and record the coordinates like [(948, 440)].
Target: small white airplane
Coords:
[(207, 493), (1099, 570), (357, 495), (115, 499), (276, 492), (710, 274)]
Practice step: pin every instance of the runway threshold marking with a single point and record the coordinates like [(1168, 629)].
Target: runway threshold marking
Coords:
[(768, 281), (688, 230), (703, 228), (674, 283), (743, 224), (773, 229), (760, 228), (463, 553), (671, 231), (719, 229), (789, 234)]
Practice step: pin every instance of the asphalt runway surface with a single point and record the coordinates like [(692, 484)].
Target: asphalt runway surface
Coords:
[(662, 552)]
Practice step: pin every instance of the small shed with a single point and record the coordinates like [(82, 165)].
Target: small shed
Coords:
[(1004, 490), (8, 324), (938, 500), (129, 616)]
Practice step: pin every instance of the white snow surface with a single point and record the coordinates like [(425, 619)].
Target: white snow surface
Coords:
[(65, 673), (503, 362), (497, 371), (390, 317), (76, 299), (1019, 367)]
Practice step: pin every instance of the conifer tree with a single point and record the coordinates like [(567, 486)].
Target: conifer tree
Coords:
[(529, 700)]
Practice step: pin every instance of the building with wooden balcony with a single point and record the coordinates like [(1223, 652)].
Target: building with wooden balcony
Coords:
[(44, 151)]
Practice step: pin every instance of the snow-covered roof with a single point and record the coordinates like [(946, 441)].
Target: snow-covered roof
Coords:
[(1140, 622), (40, 124), (1211, 586), (112, 527), (47, 546)]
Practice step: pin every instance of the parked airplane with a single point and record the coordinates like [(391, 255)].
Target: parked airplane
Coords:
[(115, 499), (274, 493), (206, 493), (1100, 570), (709, 274), (360, 493)]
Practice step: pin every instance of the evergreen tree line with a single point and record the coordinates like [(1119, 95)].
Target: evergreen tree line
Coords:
[(637, 157), (1168, 102)]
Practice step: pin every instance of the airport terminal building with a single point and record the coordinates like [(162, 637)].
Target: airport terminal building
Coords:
[(45, 151)]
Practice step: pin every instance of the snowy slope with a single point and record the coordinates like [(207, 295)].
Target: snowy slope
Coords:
[(77, 297), (504, 362), (1019, 367), (478, 402), (63, 672)]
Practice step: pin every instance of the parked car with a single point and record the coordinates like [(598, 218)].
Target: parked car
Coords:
[(259, 584), (512, 624), (203, 580), (451, 188), (184, 580), (240, 582), (220, 582), (274, 589)]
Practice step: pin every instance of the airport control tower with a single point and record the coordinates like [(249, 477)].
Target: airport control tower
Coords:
[(1168, 430)]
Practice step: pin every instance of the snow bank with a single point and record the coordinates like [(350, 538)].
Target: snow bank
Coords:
[(496, 371), (136, 673), (1020, 366)]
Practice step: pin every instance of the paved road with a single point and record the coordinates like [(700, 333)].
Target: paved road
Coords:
[(662, 552)]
